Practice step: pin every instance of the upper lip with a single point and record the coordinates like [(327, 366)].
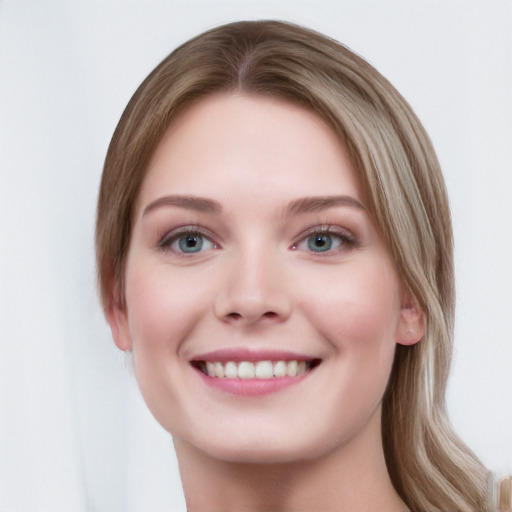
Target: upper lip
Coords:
[(252, 355)]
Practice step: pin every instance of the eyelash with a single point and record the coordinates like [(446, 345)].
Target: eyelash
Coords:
[(169, 238), (345, 238)]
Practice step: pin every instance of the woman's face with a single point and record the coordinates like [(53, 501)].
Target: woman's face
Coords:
[(263, 308)]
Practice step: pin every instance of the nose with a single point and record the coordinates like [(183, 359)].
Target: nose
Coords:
[(254, 290)]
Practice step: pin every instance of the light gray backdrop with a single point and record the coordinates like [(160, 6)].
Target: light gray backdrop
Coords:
[(74, 435)]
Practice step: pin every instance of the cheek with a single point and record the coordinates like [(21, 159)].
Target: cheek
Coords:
[(358, 310), (163, 307), (163, 310), (355, 309)]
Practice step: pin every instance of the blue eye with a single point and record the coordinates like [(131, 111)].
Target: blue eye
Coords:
[(325, 240), (186, 242), (322, 242), (190, 243)]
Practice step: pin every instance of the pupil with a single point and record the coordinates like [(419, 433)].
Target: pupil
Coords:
[(191, 241), (320, 243)]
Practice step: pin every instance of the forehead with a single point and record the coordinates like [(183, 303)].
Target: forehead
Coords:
[(229, 144)]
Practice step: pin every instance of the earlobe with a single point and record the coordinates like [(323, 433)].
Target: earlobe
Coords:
[(116, 314), (411, 325), (117, 318)]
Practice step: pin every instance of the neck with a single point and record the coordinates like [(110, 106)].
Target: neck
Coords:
[(351, 478)]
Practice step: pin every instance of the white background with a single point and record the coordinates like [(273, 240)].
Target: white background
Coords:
[(74, 433)]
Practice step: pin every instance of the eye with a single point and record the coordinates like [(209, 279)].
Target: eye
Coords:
[(186, 241), (191, 243), (323, 242), (325, 239)]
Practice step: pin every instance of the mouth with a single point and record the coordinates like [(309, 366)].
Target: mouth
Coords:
[(250, 372), (266, 369)]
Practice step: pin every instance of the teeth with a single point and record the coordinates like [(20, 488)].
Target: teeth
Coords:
[(264, 370), (230, 370), (256, 370), (219, 370), (280, 369), (291, 368), (246, 370)]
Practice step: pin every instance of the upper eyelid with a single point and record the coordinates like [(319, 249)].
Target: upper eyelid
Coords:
[(172, 234), (343, 233), (325, 228)]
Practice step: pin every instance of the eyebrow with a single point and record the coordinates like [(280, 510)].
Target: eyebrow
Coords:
[(318, 203), (199, 204), (297, 206)]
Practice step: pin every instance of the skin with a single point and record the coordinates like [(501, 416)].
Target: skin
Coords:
[(258, 283)]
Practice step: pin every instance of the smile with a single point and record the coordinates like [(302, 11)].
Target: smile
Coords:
[(263, 370)]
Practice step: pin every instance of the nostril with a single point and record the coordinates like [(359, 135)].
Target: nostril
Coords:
[(237, 316)]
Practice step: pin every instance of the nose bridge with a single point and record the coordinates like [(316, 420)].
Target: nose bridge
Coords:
[(253, 287)]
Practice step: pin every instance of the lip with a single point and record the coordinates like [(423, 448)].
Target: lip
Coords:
[(251, 355), (251, 387)]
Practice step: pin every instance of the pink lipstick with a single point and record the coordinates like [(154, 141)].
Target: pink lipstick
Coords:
[(249, 372)]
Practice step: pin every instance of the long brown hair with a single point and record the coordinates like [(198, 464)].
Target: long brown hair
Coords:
[(431, 469)]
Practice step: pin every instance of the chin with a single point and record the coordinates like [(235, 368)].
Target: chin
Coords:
[(257, 455), (261, 449)]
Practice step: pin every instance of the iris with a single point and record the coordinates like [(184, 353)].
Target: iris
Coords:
[(190, 243), (320, 242)]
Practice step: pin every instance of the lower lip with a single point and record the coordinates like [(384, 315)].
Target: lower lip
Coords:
[(252, 387)]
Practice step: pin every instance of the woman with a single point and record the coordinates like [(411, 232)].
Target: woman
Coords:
[(274, 245)]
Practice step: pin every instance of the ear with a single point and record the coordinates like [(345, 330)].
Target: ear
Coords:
[(411, 325), (117, 318)]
